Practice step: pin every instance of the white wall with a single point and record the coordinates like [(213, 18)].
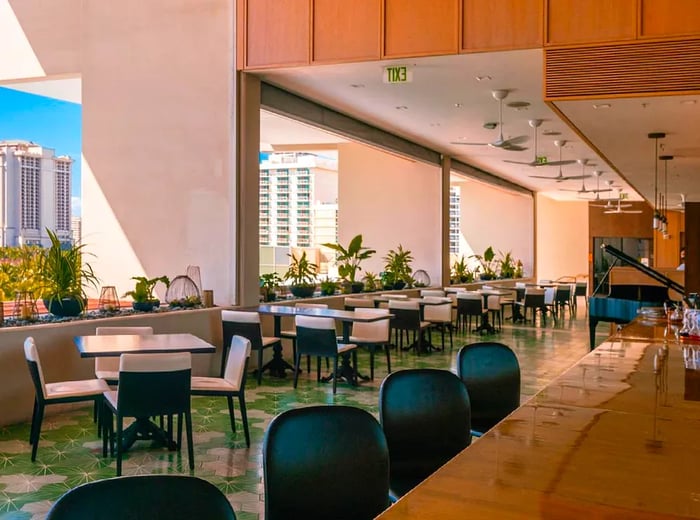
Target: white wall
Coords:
[(495, 217), (390, 201), (562, 238)]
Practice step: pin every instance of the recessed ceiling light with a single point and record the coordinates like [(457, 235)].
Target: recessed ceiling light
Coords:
[(458, 105), (602, 105), (483, 78), (518, 105), (688, 102), (357, 85), (401, 107)]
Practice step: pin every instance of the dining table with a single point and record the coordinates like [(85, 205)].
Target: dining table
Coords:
[(611, 437), (485, 326), (113, 345), (347, 318)]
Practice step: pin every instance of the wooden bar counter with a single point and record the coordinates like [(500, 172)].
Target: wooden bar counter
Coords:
[(617, 436)]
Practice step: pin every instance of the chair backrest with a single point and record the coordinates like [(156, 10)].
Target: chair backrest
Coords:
[(491, 373), (406, 314), (493, 302), (432, 292), (316, 336), (176, 497), (469, 304), (425, 415), (311, 305), (32, 355), (563, 293), (236, 362), (324, 462), (534, 297), (154, 384), (242, 323), (372, 331), (581, 288), (353, 303), (437, 308), (549, 294), (112, 363), (394, 296)]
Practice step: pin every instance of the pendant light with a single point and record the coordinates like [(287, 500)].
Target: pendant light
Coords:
[(664, 230), (656, 223)]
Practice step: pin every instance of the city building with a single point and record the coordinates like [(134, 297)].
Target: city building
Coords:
[(34, 194)]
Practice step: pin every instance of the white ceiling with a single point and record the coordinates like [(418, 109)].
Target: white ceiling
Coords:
[(449, 100)]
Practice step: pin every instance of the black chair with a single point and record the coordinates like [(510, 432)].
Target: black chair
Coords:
[(533, 300), (406, 320), (563, 298), (246, 324), (147, 497), (491, 373), (468, 305), (425, 415), (323, 462), (149, 385)]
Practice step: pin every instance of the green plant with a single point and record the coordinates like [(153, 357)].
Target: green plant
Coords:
[(518, 269), (143, 289), (349, 259), (487, 263), (63, 274), (269, 282), (507, 265), (397, 265), (301, 271), (461, 272), (371, 281), (328, 287)]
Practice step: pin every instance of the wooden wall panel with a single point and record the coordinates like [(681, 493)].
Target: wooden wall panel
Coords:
[(421, 27), (344, 31), (669, 18), (278, 32), (502, 24), (667, 250), (574, 21), (692, 247), (633, 225)]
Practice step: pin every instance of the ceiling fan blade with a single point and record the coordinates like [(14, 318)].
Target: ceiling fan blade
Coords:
[(528, 163), (599, 190), (468, 144), (553, 163), (549, 177), (514, 148), (577, 191)]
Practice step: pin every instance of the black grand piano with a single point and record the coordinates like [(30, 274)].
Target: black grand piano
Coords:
[(628, 295)]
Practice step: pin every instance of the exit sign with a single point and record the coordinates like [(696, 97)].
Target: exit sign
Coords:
[(541, 159), (398, 74)]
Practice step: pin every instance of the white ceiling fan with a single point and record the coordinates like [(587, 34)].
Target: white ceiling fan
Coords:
[(561, 177), (681, 205), (512, 144), (583, 189), (535, 124), (618, 209), (610, 201)]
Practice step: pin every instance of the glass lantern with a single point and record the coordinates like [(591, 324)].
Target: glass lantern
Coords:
[(25, 306), (109, 301)]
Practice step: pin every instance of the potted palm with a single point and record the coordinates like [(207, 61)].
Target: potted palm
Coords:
[(64, 278), (487, 263), (142, 294), (269, 282), (461, 272), (328, 287), (302, 273), (397, 267), (349, 259)]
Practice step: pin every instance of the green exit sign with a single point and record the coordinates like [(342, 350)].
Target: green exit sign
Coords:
[(398, 74), (541, 159)]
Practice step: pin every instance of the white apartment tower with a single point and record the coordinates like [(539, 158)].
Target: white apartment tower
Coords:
[(35, 194)]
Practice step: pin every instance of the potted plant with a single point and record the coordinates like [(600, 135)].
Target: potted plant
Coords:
[(349, 259), (328, 287), (142, 294), (302, 273), (269, 282), (371, 281), (461, 272), (64, 277), (487, 263), (507, 265), (397, 263), (518, 269)]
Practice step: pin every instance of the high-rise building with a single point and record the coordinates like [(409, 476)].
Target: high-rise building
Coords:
[(35, 187), (454, 219)]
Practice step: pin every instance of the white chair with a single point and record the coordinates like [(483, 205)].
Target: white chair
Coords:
[(438, 312), (372, 334), (107, 368), (438, 293), (232, 384), (351, 304), (55, 393), (550, 302), (246, 324), (291, 334), (493, 306), (317, 337), (149, 385)]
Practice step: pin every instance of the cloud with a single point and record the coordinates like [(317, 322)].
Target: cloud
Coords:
[(76, 207)]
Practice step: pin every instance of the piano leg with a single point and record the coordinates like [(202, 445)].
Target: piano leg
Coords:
[(592, 323)]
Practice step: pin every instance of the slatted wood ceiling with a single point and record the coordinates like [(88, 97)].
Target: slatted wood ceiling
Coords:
[(622, 70)]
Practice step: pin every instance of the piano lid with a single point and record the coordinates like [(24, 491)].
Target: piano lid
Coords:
[(651, 273)]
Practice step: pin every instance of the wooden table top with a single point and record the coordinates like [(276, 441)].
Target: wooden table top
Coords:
[(115, 345), (341, 315), (614, 437)]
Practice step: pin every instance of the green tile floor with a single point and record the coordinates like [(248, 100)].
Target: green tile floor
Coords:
[(70, 452)]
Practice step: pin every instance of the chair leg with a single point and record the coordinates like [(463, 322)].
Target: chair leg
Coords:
[(36, 426), (297, 362), (244, 417), (318, 369), (371, 361), (335, 372), (260, 365), (388, 357), (229, 400), (449, 328), (190, 445), (31, 430), (118, 442)]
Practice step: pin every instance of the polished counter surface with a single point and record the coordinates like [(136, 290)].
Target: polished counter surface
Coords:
[(616, 436)]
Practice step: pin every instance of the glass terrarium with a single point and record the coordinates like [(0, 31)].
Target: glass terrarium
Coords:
[(25, 306), (421, 278), (183, 292), (109, 301)]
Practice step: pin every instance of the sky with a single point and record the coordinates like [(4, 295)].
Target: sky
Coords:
[(48, 122)]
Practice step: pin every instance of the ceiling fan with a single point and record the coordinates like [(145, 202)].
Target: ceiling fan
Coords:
[(681, 205), (618, 208), (610, 204), (561, 177), (583, 189), (512, 144), (535, 124)]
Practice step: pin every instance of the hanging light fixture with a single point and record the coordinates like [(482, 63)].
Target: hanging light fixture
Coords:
[(656, 223), (664, 218)]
